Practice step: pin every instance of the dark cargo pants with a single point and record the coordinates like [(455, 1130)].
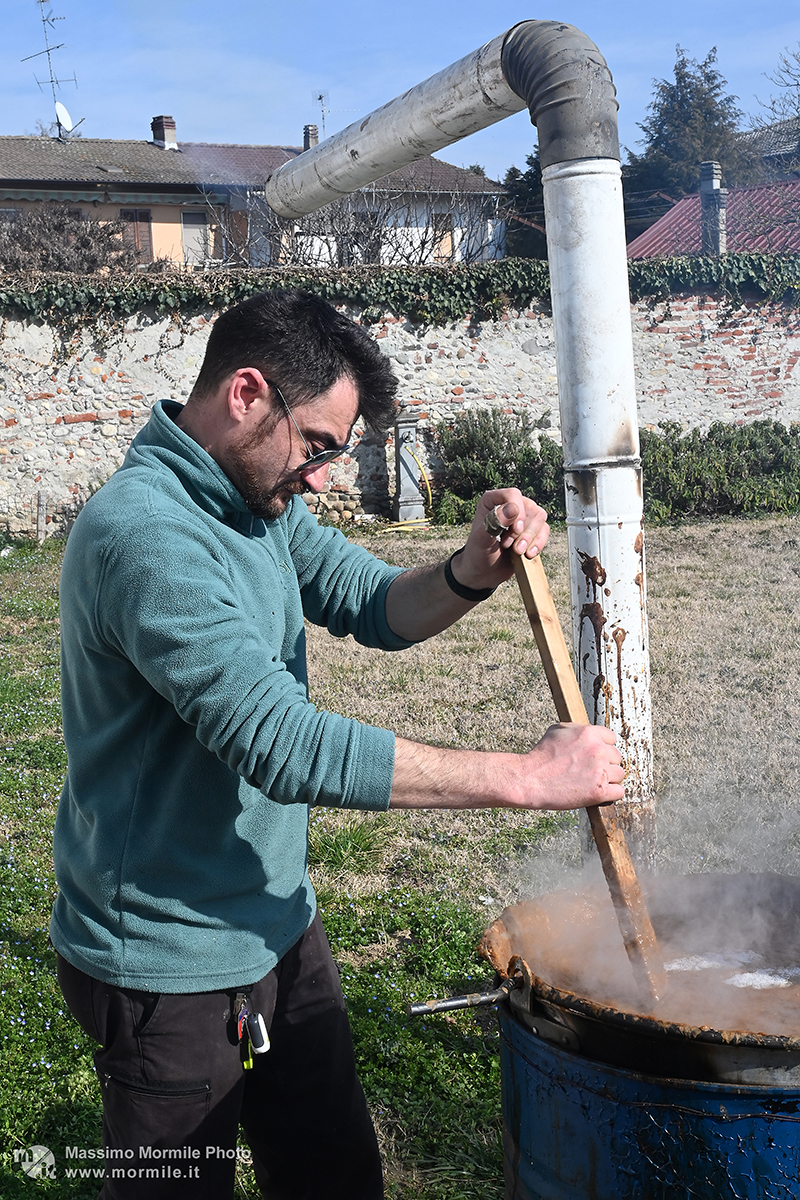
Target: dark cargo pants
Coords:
[(174, 1091)]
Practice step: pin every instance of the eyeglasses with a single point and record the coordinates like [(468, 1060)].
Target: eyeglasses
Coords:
[(322, 456)]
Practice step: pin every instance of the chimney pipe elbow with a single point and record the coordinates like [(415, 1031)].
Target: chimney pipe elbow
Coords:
[(565, 82)]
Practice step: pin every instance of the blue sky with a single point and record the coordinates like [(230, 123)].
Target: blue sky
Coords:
[(247, 71)]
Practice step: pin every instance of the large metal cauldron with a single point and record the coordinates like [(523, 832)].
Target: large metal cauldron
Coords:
[(604, 1102)]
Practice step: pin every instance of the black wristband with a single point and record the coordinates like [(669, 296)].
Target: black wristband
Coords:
[(465, 593)]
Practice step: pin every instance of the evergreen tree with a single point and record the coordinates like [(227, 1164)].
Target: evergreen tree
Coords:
[(525, 236), (691, 120)]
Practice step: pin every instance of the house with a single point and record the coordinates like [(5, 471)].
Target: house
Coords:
[(718, 221), (777, 147), (428, 211), (201, 204)]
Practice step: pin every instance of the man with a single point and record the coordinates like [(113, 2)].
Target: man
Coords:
[(185, 923)]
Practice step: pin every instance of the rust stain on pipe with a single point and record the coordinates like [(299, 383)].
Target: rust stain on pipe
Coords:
[(593, 613), (619, 636), (594, 571)]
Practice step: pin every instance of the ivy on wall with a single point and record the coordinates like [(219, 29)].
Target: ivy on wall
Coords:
[(427, 295), (424, 294), (734, 277)]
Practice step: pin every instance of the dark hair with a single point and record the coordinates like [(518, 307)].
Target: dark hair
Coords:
[(304, 345)]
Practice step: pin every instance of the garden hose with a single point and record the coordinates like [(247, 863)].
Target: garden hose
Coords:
[(425, 477), (414, 522)]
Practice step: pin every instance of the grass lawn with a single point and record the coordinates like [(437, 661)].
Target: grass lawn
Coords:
[(405, 896)]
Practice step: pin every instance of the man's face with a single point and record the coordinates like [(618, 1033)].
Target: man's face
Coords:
[(262, 460)]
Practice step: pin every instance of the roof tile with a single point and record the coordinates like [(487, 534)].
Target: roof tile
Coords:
[(764, 218), (203, 164)]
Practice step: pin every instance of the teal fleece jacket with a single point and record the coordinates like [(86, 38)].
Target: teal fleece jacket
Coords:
[(193, 750)]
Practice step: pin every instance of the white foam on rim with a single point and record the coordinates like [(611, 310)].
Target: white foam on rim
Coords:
[(708, 962)]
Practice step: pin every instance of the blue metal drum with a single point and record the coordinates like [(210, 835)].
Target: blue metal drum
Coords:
[(603, 1100), (574, 1129)]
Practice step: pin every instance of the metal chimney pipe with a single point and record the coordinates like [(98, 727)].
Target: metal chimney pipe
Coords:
[(563, 79), (460, 100)]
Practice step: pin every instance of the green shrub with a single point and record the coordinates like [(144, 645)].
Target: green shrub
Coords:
[(488, 449), (727, 470), (449, 509), (730, 469), (483, 450)]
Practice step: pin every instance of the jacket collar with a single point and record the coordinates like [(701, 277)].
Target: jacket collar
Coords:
[(163, 443)]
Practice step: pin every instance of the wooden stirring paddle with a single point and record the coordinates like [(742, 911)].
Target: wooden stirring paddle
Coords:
[(634, 920)]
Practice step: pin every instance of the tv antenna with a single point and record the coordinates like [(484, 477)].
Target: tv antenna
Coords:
[(63, 119), (321, 98)]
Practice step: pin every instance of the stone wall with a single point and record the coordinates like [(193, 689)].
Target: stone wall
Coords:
[(67, 416)]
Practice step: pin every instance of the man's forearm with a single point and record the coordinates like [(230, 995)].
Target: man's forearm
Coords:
[(419, 603), (571, 767), (431, 777)]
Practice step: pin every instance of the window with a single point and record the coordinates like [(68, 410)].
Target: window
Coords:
[(137, 234), (442, 237), (194, 226)]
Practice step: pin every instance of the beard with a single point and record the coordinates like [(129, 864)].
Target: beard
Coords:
[(242, 468)]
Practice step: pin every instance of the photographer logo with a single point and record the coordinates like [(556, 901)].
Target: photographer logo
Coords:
[(37, 1162)]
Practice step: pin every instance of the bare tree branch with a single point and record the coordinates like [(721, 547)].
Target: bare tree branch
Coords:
[(374, 225), (56, 236)]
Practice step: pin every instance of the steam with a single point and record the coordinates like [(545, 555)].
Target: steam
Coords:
[(735, 811), (730, 944)]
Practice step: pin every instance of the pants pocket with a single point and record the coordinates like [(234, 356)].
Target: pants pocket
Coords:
[(154, 1140)]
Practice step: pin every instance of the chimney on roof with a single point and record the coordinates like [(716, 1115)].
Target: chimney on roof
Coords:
[(310, 137), (713, 204), (164, 132)]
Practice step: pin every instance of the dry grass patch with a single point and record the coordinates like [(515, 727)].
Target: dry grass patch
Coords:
[(725, 653), (724, 600), (405, 894)]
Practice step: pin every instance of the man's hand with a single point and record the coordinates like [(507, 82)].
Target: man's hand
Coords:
[(573, 766), (420, 603), (486, 560)]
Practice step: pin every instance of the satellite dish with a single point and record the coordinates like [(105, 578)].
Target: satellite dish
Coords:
[(63, 117)]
